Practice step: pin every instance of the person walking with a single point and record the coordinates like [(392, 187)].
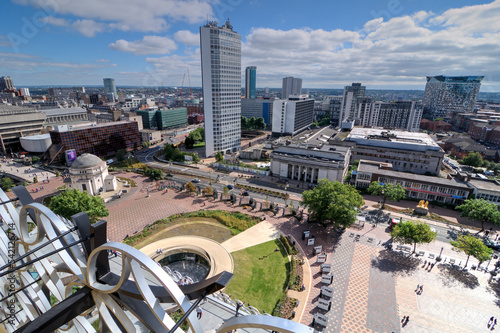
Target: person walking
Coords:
[(199, 312)]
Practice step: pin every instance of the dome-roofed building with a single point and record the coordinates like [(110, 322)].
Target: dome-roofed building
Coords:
[(89, 173)]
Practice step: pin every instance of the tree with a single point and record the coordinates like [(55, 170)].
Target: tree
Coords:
[(480, 210), (58, 173), (168, 151), (326, 120), (178, 155), (244, 122), (260, 123), (153, 174), (35, 159), (71, 202), (219, 157), (190, 188), (189, 142), (251, 122), (473, 159), (6, 183), (413, 233), (333, 202), (208, 191), (120, 154), (472, 246), (387, 191)]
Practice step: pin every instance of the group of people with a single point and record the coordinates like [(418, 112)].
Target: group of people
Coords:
[(420, 289)]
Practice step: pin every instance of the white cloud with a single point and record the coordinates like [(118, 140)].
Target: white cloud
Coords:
[(57, 21), (147, 45), (187, 37), (126, 15), (402, 50), (88, 28)]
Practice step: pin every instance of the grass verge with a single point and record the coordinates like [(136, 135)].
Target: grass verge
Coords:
[(260, 275)]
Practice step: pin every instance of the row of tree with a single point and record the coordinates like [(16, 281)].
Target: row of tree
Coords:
[(475, 159), (253, 123)]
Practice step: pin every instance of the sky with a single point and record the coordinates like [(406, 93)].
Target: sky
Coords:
[(390, 44)]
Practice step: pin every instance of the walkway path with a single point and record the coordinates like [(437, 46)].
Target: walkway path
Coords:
[(258, 234)]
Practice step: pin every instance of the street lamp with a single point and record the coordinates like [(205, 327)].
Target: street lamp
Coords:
[(286, 192)]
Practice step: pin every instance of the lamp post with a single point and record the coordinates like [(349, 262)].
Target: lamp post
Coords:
[(286, 192)]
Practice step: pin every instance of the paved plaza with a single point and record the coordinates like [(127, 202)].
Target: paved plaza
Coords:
[(373, 288)]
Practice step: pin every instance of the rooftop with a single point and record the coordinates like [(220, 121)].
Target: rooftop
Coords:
[(63, 111), (456, 79), (85, 161), (374, 167), (485, 184), (392, 139), (6, 109)]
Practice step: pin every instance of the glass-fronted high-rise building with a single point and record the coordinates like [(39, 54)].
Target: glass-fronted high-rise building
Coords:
[(250, 81), (110, 87), (445, 95), (221, 82)]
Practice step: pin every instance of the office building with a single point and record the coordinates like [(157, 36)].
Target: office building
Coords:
[(163, 119), (110, 87), (6, 84), (257, 108), (407, 151), (221, 82), (353, 95), (250, 81), (291, 86), (445, 95), (292, 116), (17, 121), (418, 187), (101, 139)]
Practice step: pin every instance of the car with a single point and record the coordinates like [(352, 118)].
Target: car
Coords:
[(170, 174), (245, 194), (393, 223), (195, 180), (229, 186), (492, 244)]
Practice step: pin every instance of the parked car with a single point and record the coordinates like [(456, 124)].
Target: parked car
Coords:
[(492, 244), (195, 180), (170, 174), (245, 194), (229, 186)]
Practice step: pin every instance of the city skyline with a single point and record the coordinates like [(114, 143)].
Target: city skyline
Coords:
[(385, 45)]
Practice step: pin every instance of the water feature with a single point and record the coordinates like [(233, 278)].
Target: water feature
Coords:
[(192, 266)]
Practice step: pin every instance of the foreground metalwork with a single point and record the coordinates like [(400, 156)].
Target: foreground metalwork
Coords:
[(35, 262)]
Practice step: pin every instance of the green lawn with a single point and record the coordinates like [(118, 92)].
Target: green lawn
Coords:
[(260, 274), (199, 145)]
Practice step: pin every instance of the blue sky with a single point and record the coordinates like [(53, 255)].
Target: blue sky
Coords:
[(390, 44)]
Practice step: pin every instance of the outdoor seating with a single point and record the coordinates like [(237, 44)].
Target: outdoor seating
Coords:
[(421, 253), (431, 255)]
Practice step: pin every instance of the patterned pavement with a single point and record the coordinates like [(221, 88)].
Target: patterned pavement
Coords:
[(372, 288)]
